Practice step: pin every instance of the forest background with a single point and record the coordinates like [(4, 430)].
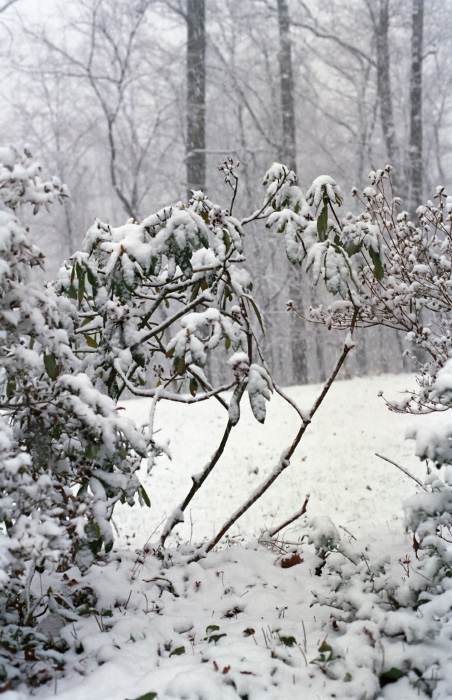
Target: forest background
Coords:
[(133, 103)]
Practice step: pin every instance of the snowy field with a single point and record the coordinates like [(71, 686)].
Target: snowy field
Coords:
[(240, 622)]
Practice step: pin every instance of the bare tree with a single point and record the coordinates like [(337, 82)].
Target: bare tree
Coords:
[(105, 62), (196, 95), (379, 14), (288, 156), (416, 122), (288, 141)]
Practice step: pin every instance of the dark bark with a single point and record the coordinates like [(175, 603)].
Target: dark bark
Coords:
[(381, 27), (287, 155), (196, 95), (7, 4), (416, 135), (288, 147)]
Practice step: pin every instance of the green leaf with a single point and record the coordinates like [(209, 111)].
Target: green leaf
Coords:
[(138, 357), (256, 311), (288, 641), (51, 366), (378, 267), (234, 404), (81, 283), (324, 647), (91, 277), (391, 676), (227, 343), (178, 651), (91, 451), (213, 637), (183, 259), (10, 388), (353, 248), (146, 696), (86, 609), (322, 224), (180, 365), (195, 291), (91, 342), (144, 495), (227, 240), (193, 386)]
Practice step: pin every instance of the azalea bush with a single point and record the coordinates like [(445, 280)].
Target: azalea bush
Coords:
[(384, 269), (66, 454), (140, 309)]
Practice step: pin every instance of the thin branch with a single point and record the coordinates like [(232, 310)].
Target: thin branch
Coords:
[(290, 520), (169, 321), (244, 98), (351, 48), (284, 460), (198, 479), (7, 4), (402, 469), (167, 395)]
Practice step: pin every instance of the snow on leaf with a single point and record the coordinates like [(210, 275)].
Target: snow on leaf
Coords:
[(324, 189), (259, 388)]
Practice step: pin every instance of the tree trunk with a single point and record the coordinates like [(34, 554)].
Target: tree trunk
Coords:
[(384, 88), (196, 96), (287, 156), (288, 148), (416, 109)]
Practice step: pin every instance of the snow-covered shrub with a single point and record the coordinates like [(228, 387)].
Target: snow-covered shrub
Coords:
[(66, 453), (147, 303), (387, 270), (152, 300)]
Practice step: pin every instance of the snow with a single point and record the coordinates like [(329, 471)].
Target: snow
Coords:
[(324, 187), (239, 622)]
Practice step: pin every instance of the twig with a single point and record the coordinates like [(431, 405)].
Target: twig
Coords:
[(284, 460), (290, 520), (160, 393), (178, 514), (402, 469), (348, 532)]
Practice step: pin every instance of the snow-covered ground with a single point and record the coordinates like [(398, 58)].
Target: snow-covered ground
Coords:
[(239, 623), (335, 462)]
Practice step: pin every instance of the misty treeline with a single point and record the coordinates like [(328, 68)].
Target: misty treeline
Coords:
[(133, 103)]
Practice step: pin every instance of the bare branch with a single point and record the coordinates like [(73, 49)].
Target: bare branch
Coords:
[(198, 480), (284, 460), (290, 520), (351, 48), (7, 4), (402, 469)]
